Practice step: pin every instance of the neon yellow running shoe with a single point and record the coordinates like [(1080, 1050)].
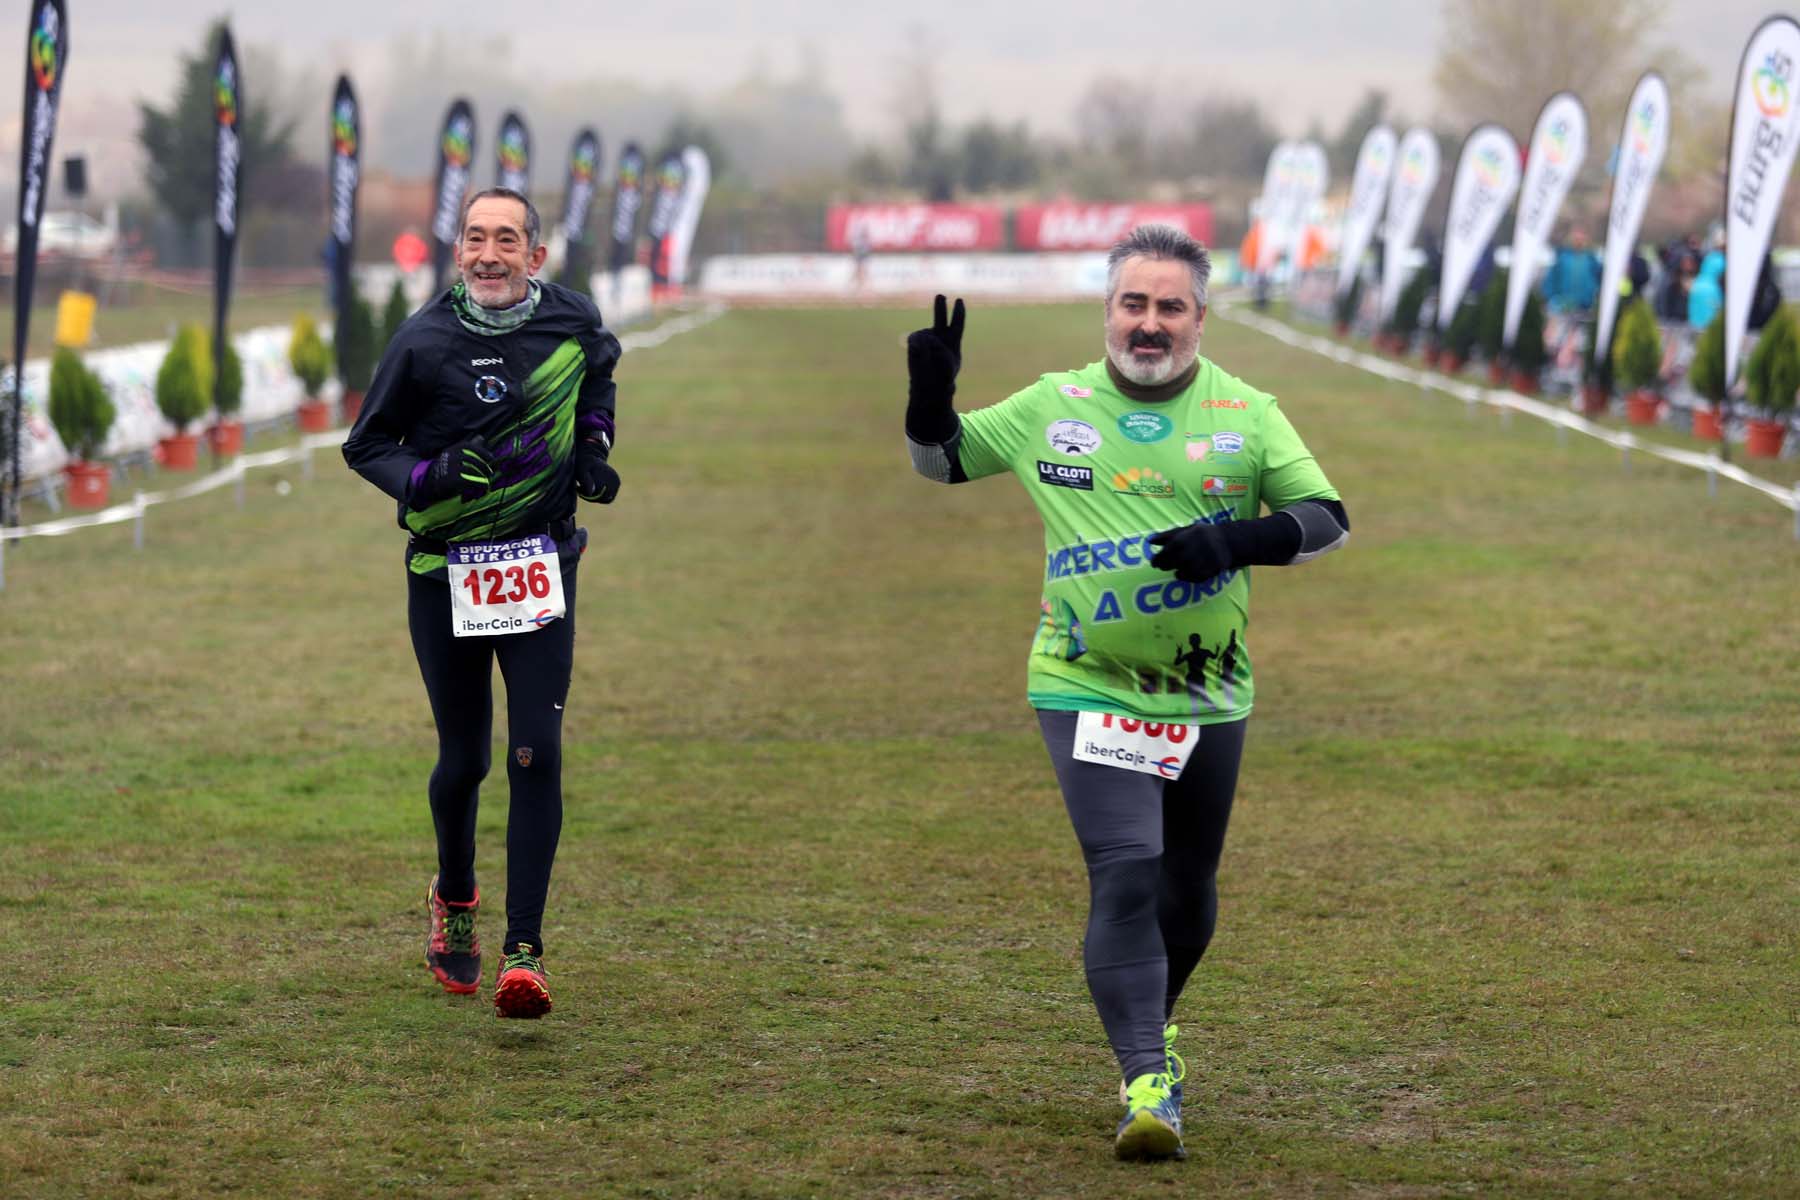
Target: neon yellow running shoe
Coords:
[(1152, 1126), (1176, 1068)]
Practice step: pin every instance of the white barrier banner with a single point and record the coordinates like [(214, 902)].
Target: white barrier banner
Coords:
[(1080, 275), (1558, 146), (1763, 138), (1415, 179), (1487, 176), (1368, 191), (1642, 142)]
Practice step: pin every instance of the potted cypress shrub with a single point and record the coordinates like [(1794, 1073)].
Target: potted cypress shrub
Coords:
[(1345, 304), (1528, 347), (1596, 375), (183, 394), (1771, 376), (1404, 321), (227, 432), (355, 344), (1490, 325), (1706, 375), (311, 361), (1636, 358), (82, 414), (394, 315), (1459, 339)]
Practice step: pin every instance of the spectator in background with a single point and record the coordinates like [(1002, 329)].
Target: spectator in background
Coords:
[(1681, 263), (1637, 278), (1573, 281), (1767, 297), (1707, 292)]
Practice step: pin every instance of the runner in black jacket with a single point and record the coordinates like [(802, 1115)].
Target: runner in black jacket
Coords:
[(490, 412)]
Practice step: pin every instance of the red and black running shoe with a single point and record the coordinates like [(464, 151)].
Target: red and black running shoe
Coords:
[(521, 989), (452, 951)]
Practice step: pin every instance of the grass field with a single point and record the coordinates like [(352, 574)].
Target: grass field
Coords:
[(1508, 906)]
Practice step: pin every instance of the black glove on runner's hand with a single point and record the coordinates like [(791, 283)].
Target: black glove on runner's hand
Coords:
[(464, 469), (1196, 553), (933, 357), (594, 477)]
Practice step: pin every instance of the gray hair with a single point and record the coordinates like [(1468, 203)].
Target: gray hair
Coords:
[(533, 227), (1160, 242)]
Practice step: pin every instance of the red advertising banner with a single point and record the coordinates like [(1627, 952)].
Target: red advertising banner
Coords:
[(1098, 226), (885, 227)]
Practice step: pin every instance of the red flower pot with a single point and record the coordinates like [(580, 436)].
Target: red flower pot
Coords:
[(314, 416), (1430, 356), (181, 452), (352, 406), (1706, 425), (1641, 407), (226, 438), (1762, 439), (89, 484), (1524, 382), (1496, 373), (1450, 362), (1595, 400)]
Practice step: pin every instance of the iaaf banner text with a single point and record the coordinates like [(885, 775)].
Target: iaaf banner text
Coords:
[(915, 226), (1099, 226)]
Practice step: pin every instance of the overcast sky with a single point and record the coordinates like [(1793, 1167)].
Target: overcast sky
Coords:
[(1305, 60)]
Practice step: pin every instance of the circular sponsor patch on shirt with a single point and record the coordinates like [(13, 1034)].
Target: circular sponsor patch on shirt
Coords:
[(490, 389), (1072, 437), (1145, 427)]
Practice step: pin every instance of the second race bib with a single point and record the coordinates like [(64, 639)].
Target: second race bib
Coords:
[(504, 587), (1153, 747)]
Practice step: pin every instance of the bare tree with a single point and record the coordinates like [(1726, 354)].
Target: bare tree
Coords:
[(1499, 60)]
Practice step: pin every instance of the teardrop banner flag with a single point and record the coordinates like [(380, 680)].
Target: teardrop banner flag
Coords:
[(696, 179), (1487, 177), (578, 196), (513, 155), (1415, 180), (1558, 145), (667, 182), (1312, 174), (228, 113), (456, 151), (46, 55), (578, 202), (1272, 207), (1642, 143), (628, 197), (1368, 192), (1764, 135), (346, 174)]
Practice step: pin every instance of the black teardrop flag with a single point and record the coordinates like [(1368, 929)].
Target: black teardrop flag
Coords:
[(456, 150), (628, 197), (228, 113), (346, 174), (46, 55)]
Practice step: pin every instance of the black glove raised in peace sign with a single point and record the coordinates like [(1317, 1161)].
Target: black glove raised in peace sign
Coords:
[(933, 357)]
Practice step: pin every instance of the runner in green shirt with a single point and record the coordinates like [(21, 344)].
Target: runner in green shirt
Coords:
[(1150, 469)]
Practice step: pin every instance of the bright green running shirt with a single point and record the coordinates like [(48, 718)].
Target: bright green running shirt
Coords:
[(1115, 634)]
